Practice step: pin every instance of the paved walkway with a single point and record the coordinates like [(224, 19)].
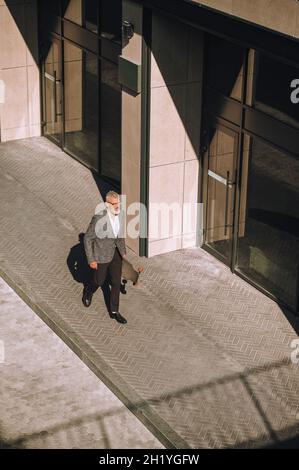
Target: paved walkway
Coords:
[(204, 360), (50, 398)]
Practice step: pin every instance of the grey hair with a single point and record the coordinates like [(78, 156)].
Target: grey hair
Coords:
[(111, 194)]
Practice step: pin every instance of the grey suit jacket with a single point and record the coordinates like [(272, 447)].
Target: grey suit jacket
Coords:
[(99, 239)]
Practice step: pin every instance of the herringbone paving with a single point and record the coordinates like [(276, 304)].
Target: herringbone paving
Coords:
[(204, 360), (50, 398)]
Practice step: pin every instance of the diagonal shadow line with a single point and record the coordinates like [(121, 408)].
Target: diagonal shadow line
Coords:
[(68, 425), (143, 404), (229, 378), (289, 439), (142, 407), (260, 411), (104, 433)]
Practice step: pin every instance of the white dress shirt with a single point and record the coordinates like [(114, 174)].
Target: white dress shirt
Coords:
[(114, 219)]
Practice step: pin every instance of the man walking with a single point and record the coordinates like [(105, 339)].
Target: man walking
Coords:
[(105, 247)]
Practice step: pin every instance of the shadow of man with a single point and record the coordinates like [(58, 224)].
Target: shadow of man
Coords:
[(81, 271), (83, 274)]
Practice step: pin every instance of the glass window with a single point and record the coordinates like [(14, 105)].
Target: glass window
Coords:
[(273, 89), (81, 104), (268, 249), (110, 121), (53, 6), (52, 92), (251, 70), (225, 67), (91, 15), (220, 193), (72, 10), (49, 19), (110, 19), (82, 12)]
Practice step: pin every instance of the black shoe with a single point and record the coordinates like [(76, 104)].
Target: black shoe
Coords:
[(118, 317), (87, 297)]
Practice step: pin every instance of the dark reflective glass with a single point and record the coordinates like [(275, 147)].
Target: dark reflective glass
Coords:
[(110, 121), (48, 19), (90, 14), (220, 190), (52, 93), (110, 19), (268, 248), (52, 7), (81, 104), (82, 12), (225, 67), (273, 89)]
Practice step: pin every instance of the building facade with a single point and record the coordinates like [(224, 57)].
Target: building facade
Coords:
[(190, 103)]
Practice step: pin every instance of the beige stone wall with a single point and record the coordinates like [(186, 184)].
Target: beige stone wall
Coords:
[(19, 73), (279, 15), (131, 119), (176, 81)]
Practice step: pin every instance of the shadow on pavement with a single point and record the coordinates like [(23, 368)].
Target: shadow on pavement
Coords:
[(80, 270), (286, 438)]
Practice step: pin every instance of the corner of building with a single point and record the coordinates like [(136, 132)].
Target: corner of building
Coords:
[(19, 71)]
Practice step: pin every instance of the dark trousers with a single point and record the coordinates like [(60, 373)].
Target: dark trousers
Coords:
[(113, 268)]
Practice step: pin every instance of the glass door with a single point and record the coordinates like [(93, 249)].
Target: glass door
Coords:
[(220, 156), (53, 92), (81, 104), (268, 228)]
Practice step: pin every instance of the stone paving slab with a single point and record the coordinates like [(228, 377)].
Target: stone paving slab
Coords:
[(50, 397), (204, 360)]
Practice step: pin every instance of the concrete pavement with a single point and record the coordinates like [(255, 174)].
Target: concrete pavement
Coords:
[(49, 398)]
